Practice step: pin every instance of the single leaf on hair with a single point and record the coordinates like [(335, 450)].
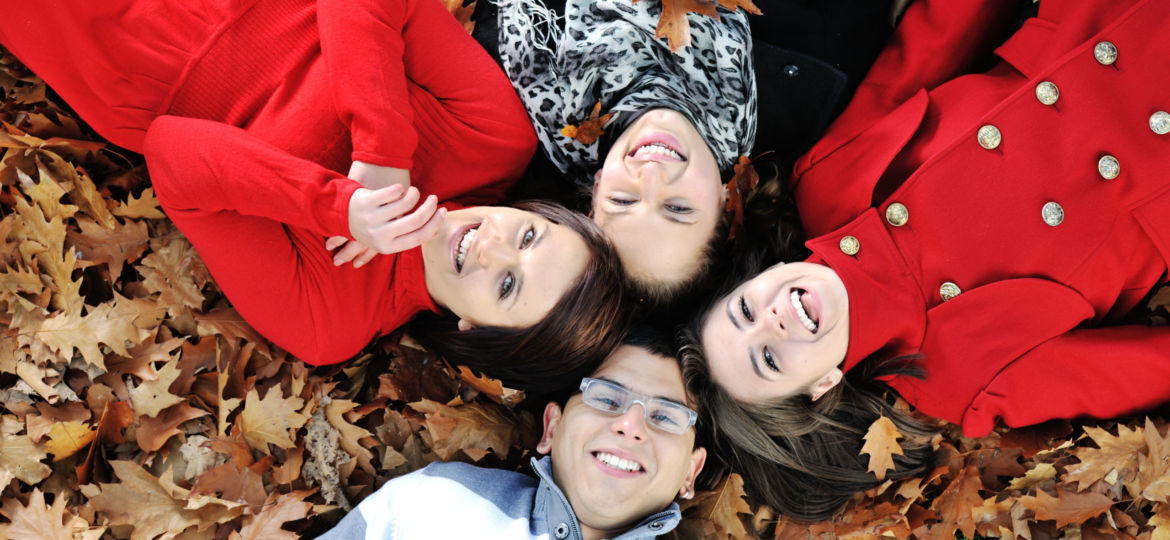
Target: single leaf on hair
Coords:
[(746, 5), (1067, 507), (721, 507), (43, 522), (881, 443), (590, 128), (490, 387), (271, 420)]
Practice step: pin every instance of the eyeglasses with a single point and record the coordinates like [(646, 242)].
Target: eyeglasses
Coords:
[(615, 399)]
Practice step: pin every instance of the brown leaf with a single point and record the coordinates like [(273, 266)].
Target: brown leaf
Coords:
[(151, 397), (234, 482), (474, 428), (958, 502), (271, 420), (1032, 439), (278, 510), (116, 416), (153, 432), (20, 458), (41, 521), (142, 207), (673, 24), (1037, 475), (591, 127), (881, 443), (113, 246), (168, 270), (104, 324), (350, 434), (1116, 455), (140, 500), (491, 388), (1066, 507), (721, 507)]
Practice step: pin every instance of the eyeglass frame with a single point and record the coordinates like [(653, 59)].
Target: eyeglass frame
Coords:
[(644, 401)]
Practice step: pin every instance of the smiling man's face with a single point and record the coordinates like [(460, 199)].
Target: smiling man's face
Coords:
[(617, 469)]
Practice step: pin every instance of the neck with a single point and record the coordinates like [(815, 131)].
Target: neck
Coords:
[(589, 533)]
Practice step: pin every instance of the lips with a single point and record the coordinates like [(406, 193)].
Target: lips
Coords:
[(658, 146), (617, 463), (461, 243)]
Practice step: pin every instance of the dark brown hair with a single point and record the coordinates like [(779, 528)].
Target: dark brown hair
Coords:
[(799, 456), (552, 356)]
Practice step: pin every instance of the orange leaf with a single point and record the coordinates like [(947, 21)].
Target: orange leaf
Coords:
[(881, 443), (1067, 507), (66, 438), (590, 128), (462, 13), (474, 428), (721, 507), (957, 504)]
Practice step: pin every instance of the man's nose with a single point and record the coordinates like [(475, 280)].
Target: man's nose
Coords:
[(632, 423)]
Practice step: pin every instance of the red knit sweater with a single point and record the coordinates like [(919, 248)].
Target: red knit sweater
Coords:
[(247, 111)]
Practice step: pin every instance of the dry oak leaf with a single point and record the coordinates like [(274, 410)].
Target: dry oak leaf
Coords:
[(154, 432), (1153, 480), (152, 396), (1115, 459), (113, 246), (66, 438), (491, 388), (462, 13), (271, 420), (43, 522), (1161, 522), (168, 271), (42, 243), (673, 24), (47, 193), (20, 458), (350, 434), (1035, 476), (233, 481), (20, 279), (1067, 507), (109, 323), (881, 443), (722, 507), (474, 428), (155, 510), (591, 127), (957, 503), (144, 206), (278, 510)]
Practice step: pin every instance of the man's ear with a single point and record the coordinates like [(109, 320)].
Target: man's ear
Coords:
[(825, 383), (464, 325), (698, 458), (552, 417)]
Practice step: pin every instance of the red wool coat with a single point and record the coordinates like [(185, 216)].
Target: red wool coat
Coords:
[(1006, 254), (249, 113)]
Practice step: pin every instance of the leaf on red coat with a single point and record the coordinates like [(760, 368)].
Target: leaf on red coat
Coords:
[(881, 443), (590, 128), (1067, 507), (462, 13)]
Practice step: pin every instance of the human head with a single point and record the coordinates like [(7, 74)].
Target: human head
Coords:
[(583, 326), (579, 437), (803, 457), (660, 197), (783, 332)]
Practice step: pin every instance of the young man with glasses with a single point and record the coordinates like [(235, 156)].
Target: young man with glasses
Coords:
[(619, 452)]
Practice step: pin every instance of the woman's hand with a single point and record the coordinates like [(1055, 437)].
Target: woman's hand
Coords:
[(373, 177), (382, 220)]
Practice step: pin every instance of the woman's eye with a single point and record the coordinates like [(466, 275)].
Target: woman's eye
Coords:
[(621, 202), (747, 313), (678, 209), (506, 285), (770, 360), (529, 236)]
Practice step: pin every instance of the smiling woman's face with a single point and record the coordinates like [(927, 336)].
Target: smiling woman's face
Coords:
[(499, 266), (780, 333), (659, 197)]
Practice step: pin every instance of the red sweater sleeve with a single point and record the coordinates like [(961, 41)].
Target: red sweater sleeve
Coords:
[(1099, 372), (213, 166)]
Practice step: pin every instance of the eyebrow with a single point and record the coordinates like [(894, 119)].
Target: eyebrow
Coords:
[(663, 398)]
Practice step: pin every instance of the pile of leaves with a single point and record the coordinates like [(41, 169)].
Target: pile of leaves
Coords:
[(136, 403)]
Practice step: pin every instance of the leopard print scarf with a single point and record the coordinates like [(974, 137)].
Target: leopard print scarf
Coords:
[(607, 53)]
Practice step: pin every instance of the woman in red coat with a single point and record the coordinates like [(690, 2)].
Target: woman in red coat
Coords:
[(247, 111), (996, 226)]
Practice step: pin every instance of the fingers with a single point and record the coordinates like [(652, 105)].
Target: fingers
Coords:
[(427, 231), (366, 256), (348, 253), (397, 207), (334, 242)]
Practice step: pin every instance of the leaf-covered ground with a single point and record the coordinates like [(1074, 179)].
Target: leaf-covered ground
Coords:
[(136, 403)]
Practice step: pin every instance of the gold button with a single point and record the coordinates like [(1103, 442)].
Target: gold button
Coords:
[(1105, 53), (850, 245), (1160, 122), (897, 214), (1047, 92), (1052, 213), (949, 290), (1109, 167), (989, 137)]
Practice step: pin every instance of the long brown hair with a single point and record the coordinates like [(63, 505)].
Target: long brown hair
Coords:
[(799, 456), (552, 356)]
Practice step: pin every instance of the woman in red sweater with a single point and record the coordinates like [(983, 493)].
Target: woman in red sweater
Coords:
[(246, 111)]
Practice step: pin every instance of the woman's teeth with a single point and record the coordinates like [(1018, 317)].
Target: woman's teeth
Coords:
[(659, 149), (464, 243), (618, 463), (807, 321)]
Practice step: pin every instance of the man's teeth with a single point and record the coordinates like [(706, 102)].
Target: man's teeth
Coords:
[(656, 148), (464, 243), (804, 318), (617, 463)]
